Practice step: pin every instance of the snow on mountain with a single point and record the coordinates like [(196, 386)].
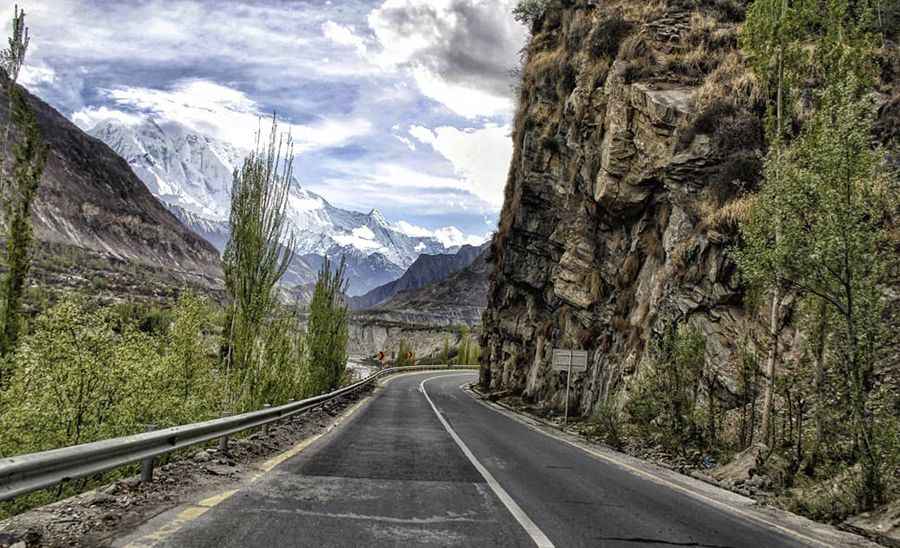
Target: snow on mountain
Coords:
[(192, 174)]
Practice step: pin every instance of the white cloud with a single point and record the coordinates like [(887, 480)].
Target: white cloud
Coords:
[(33, 76), (459, 52), (450, 236), (480, 156), (344, 35), (226, 113), (89, 117), (409, 144), (463, 100)]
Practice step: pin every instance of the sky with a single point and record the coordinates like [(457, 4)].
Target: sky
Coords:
[(400, 105)]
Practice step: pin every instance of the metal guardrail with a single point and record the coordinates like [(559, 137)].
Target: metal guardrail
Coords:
[(26, 473)]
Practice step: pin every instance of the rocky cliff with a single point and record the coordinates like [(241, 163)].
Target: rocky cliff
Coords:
[(637, 137)]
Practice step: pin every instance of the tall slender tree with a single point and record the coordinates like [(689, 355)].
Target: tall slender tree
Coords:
[(835, 196), (771, 40), (18, 189), (259, 250), (328, 329)]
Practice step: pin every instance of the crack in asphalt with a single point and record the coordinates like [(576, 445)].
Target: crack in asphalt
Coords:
[(365, 517), (663, 542)]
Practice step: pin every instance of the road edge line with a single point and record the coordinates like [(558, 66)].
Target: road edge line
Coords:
[(650, 476), (538, 536)]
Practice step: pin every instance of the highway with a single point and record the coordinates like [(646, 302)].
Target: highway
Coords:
[(397, 473)]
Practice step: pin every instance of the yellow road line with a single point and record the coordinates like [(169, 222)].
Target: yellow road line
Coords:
[(194, 511)]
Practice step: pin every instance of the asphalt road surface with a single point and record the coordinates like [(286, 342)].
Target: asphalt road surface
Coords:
[(398, 474)]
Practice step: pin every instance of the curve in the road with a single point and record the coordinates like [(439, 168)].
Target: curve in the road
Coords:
[(424, 464)]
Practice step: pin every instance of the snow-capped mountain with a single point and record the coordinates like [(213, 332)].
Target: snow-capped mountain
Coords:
[(192, 174)]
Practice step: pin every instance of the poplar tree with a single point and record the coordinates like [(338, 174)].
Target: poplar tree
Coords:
[(770, 39), (835, 198), (328, 329), (18, 189), (259, 250)]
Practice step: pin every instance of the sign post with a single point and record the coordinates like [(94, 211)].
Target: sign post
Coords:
[(570, 361)]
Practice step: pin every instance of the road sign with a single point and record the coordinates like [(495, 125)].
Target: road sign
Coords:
[(574, 360), (570, 361)]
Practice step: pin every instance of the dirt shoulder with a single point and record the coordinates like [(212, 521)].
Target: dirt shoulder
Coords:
[(97, 517)]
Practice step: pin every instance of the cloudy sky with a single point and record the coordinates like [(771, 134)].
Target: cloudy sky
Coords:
[(403, 105)]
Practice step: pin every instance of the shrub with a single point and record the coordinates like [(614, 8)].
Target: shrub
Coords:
[(607, 36), (664, 404), (328, 330), (528, 12), (406, 357)]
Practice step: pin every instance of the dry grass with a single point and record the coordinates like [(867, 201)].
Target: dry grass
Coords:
[(546, 64), (645, 11), (733, 81), (727, 217)]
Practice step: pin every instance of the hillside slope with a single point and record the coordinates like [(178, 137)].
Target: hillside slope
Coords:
[(458, 300), (427, 269), (90, 200)]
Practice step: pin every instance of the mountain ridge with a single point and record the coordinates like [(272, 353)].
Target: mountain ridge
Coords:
[(191, 173), (90, 199)]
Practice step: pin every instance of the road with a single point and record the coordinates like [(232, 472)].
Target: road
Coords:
[(395, 475)]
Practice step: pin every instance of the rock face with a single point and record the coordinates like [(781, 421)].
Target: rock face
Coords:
[(368, 338), (90, 199), (610, 226)]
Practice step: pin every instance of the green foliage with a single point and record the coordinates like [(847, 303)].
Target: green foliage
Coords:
[(85, 373), (832, 194), (255, 258), (328, 330), (663, 406), (528, 12), (82, 376), (18, 193), (13, 57), (282, 372), (468, 352)]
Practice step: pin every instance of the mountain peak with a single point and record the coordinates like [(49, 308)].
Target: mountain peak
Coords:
[(378, 217)]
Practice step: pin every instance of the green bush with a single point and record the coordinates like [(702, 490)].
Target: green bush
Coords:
[(406, 357), (83, 376), (528, 12), (663, 407)]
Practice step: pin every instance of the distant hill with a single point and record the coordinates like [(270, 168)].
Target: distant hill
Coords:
[(90, 200), (427, 269), (459, 299)]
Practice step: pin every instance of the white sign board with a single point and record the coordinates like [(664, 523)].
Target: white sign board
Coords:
[(570, 360)]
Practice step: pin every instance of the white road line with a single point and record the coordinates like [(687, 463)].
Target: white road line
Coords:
[(538, 536), (648, 475)]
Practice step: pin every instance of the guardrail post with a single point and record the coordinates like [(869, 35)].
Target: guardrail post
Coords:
[(147, 464), (266, 426), (223, 441)]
